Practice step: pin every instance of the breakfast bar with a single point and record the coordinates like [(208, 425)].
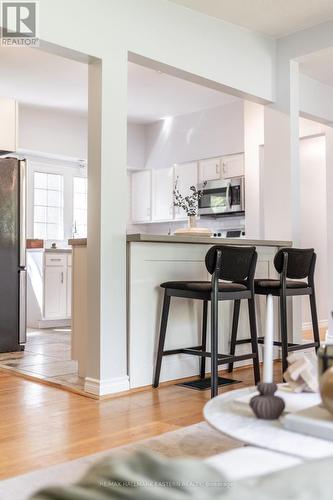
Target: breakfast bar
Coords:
[(154, 259)]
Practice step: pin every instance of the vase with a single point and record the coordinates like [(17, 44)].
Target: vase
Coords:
[(191, 221), (192, 229)]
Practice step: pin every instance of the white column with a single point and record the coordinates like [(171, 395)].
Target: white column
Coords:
[(253, 139), (281, 176), (107, 202), (329, 203)]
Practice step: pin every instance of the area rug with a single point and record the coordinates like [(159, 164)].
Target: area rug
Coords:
[(199, 440)]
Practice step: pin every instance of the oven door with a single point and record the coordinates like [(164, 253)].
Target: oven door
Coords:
[(215, 198)]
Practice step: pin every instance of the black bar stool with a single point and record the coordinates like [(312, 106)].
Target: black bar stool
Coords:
[(233, 265), (293, 264)]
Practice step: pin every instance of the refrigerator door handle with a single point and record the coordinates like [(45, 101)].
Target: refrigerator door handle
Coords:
[(23, 307), (22, 214)]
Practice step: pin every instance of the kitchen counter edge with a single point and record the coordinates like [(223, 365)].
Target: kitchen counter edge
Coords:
[(156, 238)]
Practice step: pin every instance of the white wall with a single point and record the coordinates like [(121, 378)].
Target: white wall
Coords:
[(136, 145), (313, 219), (203, 134), (53, 131)]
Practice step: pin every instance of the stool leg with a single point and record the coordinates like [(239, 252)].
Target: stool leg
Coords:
[(254, 340), (203, 339), (214, 344), (164, 322), (284, 332), (314, 317), (234, 332)]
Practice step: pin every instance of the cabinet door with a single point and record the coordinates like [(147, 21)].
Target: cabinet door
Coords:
[(187, 175), (162, 194), (55, 293), (141, 196), (69, 292), (209, 170), (232, 166)]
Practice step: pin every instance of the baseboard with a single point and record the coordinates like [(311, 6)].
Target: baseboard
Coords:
[(104, 387), (323, 323), (54, 323)]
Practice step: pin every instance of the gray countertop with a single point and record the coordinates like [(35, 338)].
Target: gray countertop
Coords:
[(50, 250), (159, 238)]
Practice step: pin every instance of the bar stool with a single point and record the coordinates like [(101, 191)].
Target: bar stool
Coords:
[(233, 265), (293, 265)]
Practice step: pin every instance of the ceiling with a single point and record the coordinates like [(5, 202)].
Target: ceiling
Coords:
[(153, 95), (38, 78), (35, 77), (319, 65), (275, 18)]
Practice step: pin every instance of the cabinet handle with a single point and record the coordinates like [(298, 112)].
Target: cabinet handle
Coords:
[(62, 277), (55, 260)]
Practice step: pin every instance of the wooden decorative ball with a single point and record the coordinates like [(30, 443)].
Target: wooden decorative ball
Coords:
[(266, 405), (326, 389)]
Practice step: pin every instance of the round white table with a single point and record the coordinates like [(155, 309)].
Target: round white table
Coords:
[(237, 420)]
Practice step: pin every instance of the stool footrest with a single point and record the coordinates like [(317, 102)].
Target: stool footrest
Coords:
[(291, 346), (221, 358), (243, 341)]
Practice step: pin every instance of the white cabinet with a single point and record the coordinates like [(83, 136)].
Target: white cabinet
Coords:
[(187, 175), (49, 288), (210, 170), (141, 196), (232, 166), (8, 124), (162, 194), (69, 287), (55, 295)]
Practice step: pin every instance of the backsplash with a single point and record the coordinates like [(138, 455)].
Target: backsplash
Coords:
[(170, 227)]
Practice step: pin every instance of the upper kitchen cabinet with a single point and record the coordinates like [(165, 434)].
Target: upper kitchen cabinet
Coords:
[(162, 194), (187, 174), (8, 125), (210, 170), (141, 196), (232, 166)]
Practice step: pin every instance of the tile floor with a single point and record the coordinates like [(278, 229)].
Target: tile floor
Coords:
[(47, 356)]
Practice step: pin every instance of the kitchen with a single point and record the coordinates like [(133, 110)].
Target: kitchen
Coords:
[(199, 135)]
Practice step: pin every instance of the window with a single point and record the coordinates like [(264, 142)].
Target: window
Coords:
[(48, 206), (80, 207)]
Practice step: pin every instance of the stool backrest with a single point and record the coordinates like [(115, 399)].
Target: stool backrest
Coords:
[(300, 262), (237, 263)]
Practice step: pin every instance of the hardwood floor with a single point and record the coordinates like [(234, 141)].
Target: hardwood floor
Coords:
[(42, 425)]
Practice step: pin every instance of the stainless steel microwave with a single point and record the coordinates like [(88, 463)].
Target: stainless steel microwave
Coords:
[(222, 197)]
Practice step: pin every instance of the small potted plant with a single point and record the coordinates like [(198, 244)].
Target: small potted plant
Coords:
[(190, 205)]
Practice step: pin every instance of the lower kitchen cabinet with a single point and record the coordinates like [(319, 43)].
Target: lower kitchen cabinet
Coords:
[(49, 289)]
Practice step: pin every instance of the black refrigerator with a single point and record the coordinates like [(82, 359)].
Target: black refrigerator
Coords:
[(13, 276)]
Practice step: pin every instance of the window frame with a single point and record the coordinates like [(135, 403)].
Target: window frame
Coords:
[(61, 206), (73, 209)]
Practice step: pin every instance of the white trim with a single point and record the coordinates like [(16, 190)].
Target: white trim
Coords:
[(323, 323), (31, 154), (54, 323), (104, 387)]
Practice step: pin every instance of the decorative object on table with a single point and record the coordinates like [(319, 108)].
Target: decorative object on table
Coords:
[(326, 389), (266, 405), (54, 246), (190, 205), (33, 243), (325, 358), (301, 374)]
